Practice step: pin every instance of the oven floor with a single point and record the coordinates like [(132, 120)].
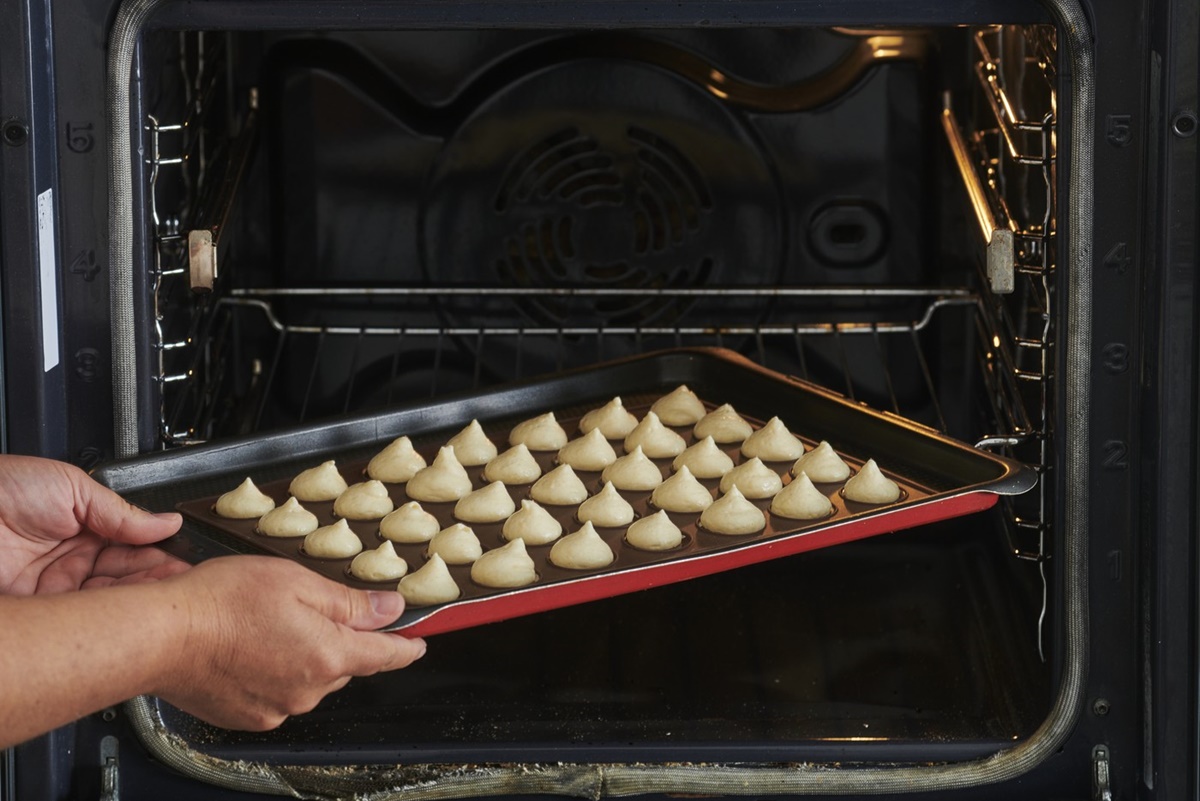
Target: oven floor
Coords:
[(877, 649)]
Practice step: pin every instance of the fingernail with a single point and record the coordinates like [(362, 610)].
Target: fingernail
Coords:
[(387, 604), (172, 516), (421, 650)]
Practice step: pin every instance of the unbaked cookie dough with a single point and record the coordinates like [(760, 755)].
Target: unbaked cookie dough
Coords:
[(682, 493), (457, 544), (582, 550), (773, 443), (822, 464), (541, 433), (679, 407), (431, 584), (654, 532), (490, 504), (444, 480), (381, 564), (800, 500), (724, 425), (732, 514), (506, 566), (409, 523), (633, 472), (368, 500), (244, 502), (515, 466), (606, 508), (656, 440), (533, 524), (320, 483), (870, 485), (613, 420), (589, 452), (704, 459), (396, 463), (289, 520), (336, 541), (559, 487), (471, 446), (754, 479)]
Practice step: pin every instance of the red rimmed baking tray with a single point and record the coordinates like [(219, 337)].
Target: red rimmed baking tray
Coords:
[(942, 478)]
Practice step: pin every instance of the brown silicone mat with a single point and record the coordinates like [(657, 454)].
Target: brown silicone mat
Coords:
[(696, 539)]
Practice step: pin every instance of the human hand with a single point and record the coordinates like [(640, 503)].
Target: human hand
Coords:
[(267, 638), (60, 530)]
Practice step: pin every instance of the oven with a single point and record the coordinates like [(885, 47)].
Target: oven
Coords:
[(224, 220)]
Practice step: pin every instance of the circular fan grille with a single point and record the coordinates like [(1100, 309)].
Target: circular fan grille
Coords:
[(614, 210), (602, 174)]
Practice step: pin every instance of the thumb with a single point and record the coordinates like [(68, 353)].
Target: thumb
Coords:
[(362, 610), (107, 514)]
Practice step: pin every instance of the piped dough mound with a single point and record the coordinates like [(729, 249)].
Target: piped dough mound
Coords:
[(336, 541), (682, 493), (724, 425), (533, 524), (380, 564), (490, 504), (754, 479), (679, 407), (456, 544), (320, 483), (472, 446), (822, 464), (800, 500), (734, 515), (582, 550), (396, 463), (515, 466), (612, 419), (704, 459), (541, 433), (289, 520), (409, 523), (431, 584), (870, 485), (773, 443), (243, 503), (368, 500), (656, 440), (654, 532), (506, 566), (634, 472), (444, 480), (606, 508), (559, 487), (589, 452)]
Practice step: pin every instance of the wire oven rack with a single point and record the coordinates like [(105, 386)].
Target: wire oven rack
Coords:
[(1002, 135)]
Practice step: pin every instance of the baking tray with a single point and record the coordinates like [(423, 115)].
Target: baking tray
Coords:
[(942, 478)]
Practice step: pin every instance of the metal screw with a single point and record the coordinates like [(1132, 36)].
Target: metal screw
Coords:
[(15, 133), (1100, 707), (1184, 124), (109, 715)]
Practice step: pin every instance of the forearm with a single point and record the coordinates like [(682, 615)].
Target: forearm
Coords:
[(68, 655)]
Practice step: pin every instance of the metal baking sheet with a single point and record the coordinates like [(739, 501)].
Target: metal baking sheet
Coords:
[(941, 478)]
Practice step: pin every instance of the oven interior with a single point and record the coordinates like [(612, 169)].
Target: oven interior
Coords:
[(339, 221)]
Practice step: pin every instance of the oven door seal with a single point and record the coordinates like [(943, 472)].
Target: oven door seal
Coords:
[(598, 781)]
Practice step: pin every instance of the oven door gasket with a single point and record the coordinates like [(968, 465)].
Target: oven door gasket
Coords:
[(597, 781)]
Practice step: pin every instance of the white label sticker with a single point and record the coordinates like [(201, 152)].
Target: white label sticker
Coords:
[(48, 263)]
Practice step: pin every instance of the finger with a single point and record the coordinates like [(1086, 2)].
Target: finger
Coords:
[(363, 610), (108, 514), (371, 652), (122, 560)]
